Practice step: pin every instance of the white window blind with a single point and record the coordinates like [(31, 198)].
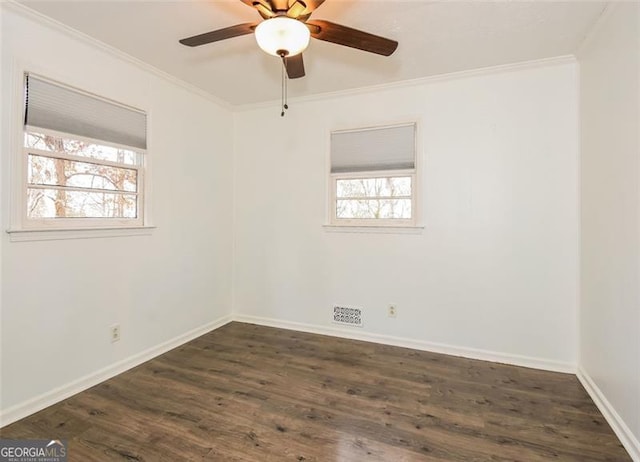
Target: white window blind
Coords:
[(374, 149), (56, 107)]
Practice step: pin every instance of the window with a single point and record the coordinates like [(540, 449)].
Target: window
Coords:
[(373, 176), (83, 159)]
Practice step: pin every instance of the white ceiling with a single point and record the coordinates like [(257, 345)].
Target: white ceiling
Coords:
[(435, 38)]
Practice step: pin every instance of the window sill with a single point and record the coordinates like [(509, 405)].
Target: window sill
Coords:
[(22, 235), (372, 229)]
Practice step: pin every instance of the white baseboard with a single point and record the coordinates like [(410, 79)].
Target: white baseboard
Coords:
[(622, 431), (38, 403), (472, 353), (56, 395), (627, 438)]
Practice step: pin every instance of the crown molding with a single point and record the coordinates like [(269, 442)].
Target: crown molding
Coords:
[(489, 70), (595, 28), (46, 21)]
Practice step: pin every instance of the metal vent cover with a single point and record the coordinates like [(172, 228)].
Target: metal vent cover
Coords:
[(347, 316)]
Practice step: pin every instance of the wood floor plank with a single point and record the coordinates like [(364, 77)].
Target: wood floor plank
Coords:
[(252, 393)]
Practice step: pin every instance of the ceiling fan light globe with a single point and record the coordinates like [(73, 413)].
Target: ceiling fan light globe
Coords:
[(282, 35)]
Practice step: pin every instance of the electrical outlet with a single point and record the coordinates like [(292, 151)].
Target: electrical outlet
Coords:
[(115, 333), (393, 311)]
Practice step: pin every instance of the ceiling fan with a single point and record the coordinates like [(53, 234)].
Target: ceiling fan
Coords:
[(285, 31)]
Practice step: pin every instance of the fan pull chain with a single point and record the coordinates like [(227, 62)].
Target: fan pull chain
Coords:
[(285, 77), (286, 87)]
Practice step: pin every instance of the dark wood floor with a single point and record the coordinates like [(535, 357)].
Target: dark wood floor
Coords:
[(250, 393)]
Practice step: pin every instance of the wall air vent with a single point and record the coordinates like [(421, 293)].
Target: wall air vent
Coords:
[(347, 316)]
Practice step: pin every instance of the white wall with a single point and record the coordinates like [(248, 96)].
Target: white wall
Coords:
[(496, 266), (495, 269), (610, 303), (60, 297)]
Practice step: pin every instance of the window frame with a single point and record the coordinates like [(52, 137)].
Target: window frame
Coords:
[(335, 177), (19, 227), (372, 223), (79, 222)]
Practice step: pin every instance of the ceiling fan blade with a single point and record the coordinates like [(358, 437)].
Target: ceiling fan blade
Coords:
[(353, 38), (220, 34), (295, 66)]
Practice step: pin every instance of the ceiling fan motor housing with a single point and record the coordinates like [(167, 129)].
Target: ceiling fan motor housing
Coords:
[(286, 29)]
